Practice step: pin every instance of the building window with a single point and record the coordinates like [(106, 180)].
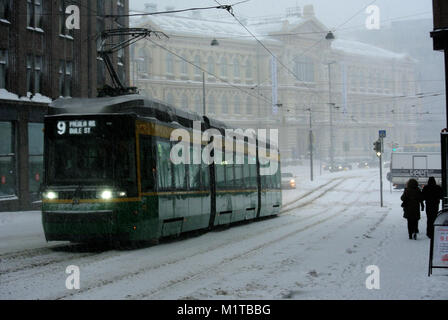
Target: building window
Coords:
[(211, 66), (304, 69), (236, 68), (34, 13), (65, 78), (197, 62), (3, 68), (33, 74), (100, 7), (248, 69), (169, 64), (249, 106), (237, 105), (35, 158), (63, 31), (120, 11), (100, 77), (224, 67), (7, 160), (5, 10), (184, 68)]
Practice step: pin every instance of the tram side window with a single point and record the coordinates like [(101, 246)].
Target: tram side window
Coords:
[(205, 172), (146, 163), (164, 168), (278, 177), (239, 182), (230, 175), (253, 175), (246, 172), (194, 172), (220, 169), (179, 171)]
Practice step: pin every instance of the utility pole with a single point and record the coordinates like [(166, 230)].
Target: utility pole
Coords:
[(203, 94), (330, 104), (378, 147), (311, 146)]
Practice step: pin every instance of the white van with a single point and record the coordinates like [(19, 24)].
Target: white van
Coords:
[(417, 165)]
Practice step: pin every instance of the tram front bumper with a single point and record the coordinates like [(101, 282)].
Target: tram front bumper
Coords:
[(79, 225)]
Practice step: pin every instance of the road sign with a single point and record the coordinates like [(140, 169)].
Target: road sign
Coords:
[(382, 133)]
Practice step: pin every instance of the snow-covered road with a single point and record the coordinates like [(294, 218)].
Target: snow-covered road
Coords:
[(329, 232)]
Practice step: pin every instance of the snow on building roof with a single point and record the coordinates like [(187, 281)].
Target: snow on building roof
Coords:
[(360, 48)]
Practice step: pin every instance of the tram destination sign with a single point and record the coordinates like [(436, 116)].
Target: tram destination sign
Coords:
[(75, 127)]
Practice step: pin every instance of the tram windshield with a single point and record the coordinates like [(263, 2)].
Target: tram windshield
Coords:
[(102, 156)]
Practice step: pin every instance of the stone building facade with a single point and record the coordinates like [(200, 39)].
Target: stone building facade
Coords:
[(370, 88), (41, 60)]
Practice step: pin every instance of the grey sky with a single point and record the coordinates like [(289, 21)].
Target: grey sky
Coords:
[(332, 13)]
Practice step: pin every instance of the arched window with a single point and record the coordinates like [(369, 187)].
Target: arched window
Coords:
[(223, 67), (237, 105), (225, 105), (169, 60), (143, 60), (304, 68), (211, 65), (249, 107), (236, 68), (184, 68), (248, 69), (197, 62)]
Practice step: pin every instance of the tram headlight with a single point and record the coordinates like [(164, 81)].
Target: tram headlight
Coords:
[(50, 195), (106, 194)]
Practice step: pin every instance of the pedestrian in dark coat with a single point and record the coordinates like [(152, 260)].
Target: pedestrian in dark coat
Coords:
[(412, 201), (432, 194)]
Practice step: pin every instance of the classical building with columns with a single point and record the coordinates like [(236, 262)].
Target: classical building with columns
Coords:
[(288, 70)]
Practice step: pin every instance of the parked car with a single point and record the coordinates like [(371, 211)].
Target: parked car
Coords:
[(288, 180)]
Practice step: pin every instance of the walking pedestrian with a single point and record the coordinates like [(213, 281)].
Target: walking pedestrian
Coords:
[(432, 194), (412, 201)]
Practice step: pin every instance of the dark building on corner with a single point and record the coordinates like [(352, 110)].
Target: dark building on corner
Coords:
[(42, 60)]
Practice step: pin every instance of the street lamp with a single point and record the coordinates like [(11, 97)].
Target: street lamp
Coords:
[(311, 146), (330, 37), (213, 43)]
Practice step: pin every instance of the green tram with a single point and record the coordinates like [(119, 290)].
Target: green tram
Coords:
[(109, 175)]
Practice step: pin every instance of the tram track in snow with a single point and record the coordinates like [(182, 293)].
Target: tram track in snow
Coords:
[(44, 251), (213, 268), (84, 257), (126, 276)]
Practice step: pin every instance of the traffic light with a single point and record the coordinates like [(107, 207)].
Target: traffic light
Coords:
[(394, 146), (377, 147)]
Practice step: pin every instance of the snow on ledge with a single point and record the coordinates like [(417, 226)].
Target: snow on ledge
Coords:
[(6, 95)]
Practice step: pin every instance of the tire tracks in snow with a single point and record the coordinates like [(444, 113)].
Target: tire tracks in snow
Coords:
[(270, 228), (227, 260)]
